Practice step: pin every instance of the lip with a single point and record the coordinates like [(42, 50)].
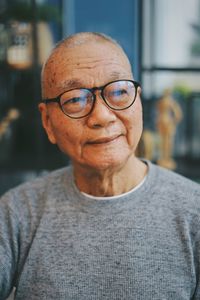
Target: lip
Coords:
[(103, 140)]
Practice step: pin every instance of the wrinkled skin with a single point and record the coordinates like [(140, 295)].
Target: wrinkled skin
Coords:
[(101, 145)]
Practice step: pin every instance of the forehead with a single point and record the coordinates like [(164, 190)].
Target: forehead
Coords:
[(88, 52), (89, 64)]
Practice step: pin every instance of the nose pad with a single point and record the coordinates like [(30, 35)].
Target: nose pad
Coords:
[(101, 115)]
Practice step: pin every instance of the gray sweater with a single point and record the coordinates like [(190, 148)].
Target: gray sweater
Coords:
[(56, 243)]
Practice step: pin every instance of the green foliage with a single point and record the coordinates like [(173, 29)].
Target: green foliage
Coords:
[(195, 48), (24, 12), (182, 90)]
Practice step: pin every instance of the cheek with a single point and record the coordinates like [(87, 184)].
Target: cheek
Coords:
[(134, 125), (68, 136)]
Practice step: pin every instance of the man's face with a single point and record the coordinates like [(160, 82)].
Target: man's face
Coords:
[(105, 139)]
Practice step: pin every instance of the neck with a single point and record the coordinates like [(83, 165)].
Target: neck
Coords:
[(110, 182)]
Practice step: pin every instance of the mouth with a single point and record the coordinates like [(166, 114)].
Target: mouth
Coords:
[(103, 140)]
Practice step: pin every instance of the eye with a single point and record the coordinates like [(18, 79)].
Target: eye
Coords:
[(117, 93), (74, 100)]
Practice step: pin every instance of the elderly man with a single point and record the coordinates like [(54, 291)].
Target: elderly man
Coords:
[(110, 226)]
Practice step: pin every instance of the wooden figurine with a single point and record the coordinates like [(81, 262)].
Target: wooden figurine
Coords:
[(169, 115)]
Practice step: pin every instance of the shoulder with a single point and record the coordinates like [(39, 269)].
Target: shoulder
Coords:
[(39, 182), (174, 180), (34, 193), (174, 188)]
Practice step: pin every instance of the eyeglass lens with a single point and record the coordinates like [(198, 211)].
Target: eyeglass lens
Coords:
[(117, 95)]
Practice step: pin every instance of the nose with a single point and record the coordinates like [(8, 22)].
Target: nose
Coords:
[(101, 115)]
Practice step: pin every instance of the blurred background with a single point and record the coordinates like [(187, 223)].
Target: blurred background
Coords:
[(162, 40)]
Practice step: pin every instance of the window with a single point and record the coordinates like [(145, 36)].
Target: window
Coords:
[(171, 60)]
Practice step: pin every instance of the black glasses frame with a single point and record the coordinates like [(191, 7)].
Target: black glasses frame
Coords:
[(92, 91)]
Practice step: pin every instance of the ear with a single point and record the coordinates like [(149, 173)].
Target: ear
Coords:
[(139, 91), (46, 122)]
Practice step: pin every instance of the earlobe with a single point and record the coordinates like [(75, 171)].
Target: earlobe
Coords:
[(46, 122), (139, 91)]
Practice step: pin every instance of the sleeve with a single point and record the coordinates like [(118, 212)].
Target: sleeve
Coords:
[(196, 251), (9, 246)]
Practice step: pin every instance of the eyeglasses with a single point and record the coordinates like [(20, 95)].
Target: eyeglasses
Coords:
[(79, 103)]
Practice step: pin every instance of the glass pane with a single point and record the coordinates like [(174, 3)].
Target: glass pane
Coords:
[(117, 18), (154, 83), (172, 33)]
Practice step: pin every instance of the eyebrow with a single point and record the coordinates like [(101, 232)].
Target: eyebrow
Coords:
[(116, 75), (71, 83)]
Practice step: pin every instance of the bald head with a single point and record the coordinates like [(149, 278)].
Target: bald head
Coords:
[(64, 49), (84, 37)]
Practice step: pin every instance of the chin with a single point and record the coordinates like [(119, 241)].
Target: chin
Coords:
[(107, 163)]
